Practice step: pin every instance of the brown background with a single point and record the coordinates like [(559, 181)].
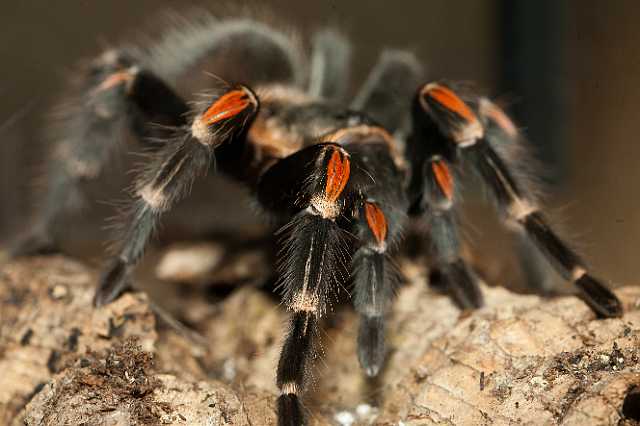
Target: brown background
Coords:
[(459, 40)]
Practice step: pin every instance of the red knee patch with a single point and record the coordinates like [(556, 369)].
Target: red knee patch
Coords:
[(376, 220), (446, 98), (496, 114), (338, 170), (228, 105), (114, 80), (443, 177)]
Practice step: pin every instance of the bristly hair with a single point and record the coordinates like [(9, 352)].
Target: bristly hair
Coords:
[(313, 260), (378, 272), (199, 35), (170, 173)]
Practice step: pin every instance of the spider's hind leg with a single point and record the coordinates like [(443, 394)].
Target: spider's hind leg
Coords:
[(330, 65), (235, 49), (506, 139), (116, 95), (386, 93)]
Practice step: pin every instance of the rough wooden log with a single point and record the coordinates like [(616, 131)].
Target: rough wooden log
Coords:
[(519, 360)]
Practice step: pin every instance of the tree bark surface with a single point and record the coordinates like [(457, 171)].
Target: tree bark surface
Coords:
[(519, 360)]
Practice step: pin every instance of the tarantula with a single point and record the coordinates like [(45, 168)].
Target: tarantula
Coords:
[(338, 180)]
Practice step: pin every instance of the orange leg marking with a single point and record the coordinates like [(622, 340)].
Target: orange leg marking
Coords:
[(229, 105), (443, 177), (376, 221), (448, 99), (498, 116), (114, 80), (338, 171)]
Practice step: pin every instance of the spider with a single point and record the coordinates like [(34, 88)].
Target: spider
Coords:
[(339, 180)]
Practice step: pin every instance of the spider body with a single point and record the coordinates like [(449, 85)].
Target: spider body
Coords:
[(339, 179)]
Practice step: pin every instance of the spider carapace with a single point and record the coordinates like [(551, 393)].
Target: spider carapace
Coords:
[(339, 178)]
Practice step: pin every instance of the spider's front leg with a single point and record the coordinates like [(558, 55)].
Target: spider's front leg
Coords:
[(374, 280), (311, 186), (377, 225), (117, 94), (449, 270), (169, 176), (434, 196), (440, 108), (335, 193)]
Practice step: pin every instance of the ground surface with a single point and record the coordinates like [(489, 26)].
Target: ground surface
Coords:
[(520, 360)]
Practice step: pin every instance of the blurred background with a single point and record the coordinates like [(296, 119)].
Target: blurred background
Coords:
[(570, 71)]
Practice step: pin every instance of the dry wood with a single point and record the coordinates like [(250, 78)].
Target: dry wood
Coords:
[(520, 360)]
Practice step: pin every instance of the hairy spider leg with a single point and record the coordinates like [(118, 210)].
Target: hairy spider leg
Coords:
[(355, 186), (378, 221), (170, 175), (386, 94), (128, 89), (314, 256), (240, 49), (330, 66), (433, 193), (460, 124), (506, 139), (116, 95)]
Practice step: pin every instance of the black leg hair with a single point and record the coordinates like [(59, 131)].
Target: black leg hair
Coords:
[(385, 95), (313, 259), (459, 123), (330, 65), (448, 270), (433, 194), (312, 267), (292, 374), (242, 50), (116, 95), (374, 281), (170, 175), (122, 92), (380, 204), (505, 138), (435, 205), (377, 225), (523, 213)]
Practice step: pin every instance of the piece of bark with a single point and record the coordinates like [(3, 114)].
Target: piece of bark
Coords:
[(209, 264), (65, 362), (193, 263), (119, 387), (519, 360), (46, 318)]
